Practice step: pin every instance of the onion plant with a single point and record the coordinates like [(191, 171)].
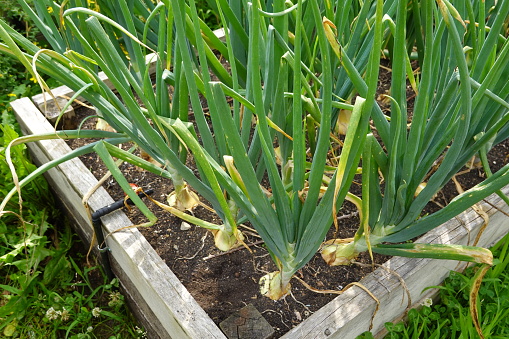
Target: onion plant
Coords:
[(294, 68), (85, 41), (231, 153), (460, 110)]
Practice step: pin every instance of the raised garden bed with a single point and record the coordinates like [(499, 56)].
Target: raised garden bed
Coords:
[(165, 307)]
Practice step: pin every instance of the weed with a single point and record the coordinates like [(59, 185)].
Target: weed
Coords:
[(41, 281)]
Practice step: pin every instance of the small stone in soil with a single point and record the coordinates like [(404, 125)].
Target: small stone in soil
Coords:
[(247, 323), (184, 226)]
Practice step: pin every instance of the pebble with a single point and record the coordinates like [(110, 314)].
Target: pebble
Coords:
[(185, 226)]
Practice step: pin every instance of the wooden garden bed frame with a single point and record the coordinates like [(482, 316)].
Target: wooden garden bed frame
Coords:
[(164, 306)]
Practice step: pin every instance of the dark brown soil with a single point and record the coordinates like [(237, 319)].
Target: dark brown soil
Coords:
[(224, 282)]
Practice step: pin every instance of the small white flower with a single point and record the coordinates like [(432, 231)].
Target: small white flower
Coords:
[(427, 302), (90, 329), (64, 314), (96, 312), (51, 314), (140, 333), (115, 299)]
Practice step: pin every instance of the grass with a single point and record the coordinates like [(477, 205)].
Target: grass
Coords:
[(47, 290), (450, 317)]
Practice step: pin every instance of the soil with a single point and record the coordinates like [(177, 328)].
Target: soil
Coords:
[(224, 282)]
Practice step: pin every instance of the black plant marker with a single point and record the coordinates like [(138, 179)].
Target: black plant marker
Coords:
[(96, 222)]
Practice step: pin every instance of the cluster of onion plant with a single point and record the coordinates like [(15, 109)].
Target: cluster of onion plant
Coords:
[(85, 41), (460, 110), (294, 218), (294, 69)]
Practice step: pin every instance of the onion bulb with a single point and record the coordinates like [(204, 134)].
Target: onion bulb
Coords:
[(272, 286), (339, 252)]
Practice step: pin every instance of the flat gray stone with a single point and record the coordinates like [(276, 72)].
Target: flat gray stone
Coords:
[(247, 323)]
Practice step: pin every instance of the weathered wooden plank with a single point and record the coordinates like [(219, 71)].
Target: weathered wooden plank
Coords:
[(46, 101), (175, 309), (247, 323), (32, 122), (140, 309)]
